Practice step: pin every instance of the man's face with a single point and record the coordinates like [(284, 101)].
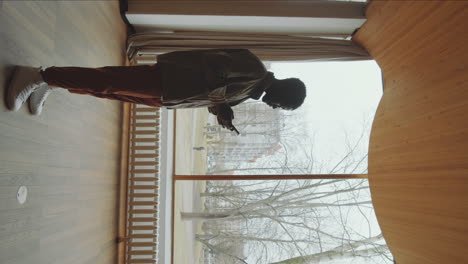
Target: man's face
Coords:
[(274, 102), (274, 105)]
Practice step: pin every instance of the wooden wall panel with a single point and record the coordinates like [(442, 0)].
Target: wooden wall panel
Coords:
[(418, 157)]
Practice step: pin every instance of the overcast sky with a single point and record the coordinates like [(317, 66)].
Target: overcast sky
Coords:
[(340, 97)]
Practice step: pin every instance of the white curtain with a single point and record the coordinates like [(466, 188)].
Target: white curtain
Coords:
[(268, 47)]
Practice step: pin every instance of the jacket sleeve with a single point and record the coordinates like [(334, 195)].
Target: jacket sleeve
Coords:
[(212, 64), (217, 65), (214, 69)]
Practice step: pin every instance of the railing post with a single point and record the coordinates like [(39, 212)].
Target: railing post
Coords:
[(142, 185)]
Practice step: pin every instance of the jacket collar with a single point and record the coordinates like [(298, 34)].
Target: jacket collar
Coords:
[(262, 85)]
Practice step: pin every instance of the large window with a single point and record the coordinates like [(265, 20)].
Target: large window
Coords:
[(277, 221), (232, 207), (328, 134)]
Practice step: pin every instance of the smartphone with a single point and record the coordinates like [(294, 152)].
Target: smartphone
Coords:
[(233, 128)]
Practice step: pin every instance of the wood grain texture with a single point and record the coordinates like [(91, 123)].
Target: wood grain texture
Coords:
[(69, 157), (123, 187), (418, 158)]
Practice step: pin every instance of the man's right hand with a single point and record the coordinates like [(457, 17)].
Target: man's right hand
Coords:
[(225, 115)]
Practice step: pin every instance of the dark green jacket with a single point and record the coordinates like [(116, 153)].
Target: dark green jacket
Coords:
[(204, 78)]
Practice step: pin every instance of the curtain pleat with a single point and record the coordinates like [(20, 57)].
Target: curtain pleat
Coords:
[(266, 46)]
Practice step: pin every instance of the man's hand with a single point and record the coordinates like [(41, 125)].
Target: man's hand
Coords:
[(213, 110), (225, 116)]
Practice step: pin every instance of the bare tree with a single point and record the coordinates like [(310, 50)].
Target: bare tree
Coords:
[(296, 219), (342, 252), (293, 221)]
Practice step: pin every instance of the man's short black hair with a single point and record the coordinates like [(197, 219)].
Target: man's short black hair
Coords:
[(288, 93)]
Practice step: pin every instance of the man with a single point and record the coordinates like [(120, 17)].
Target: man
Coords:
[(217, 79)]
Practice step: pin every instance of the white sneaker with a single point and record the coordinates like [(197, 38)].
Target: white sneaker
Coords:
[(38, 97), (25, 81)]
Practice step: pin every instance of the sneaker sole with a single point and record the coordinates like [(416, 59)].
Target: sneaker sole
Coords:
[(9, 100)]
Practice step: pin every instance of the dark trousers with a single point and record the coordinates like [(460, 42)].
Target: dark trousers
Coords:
[(134, 84)]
